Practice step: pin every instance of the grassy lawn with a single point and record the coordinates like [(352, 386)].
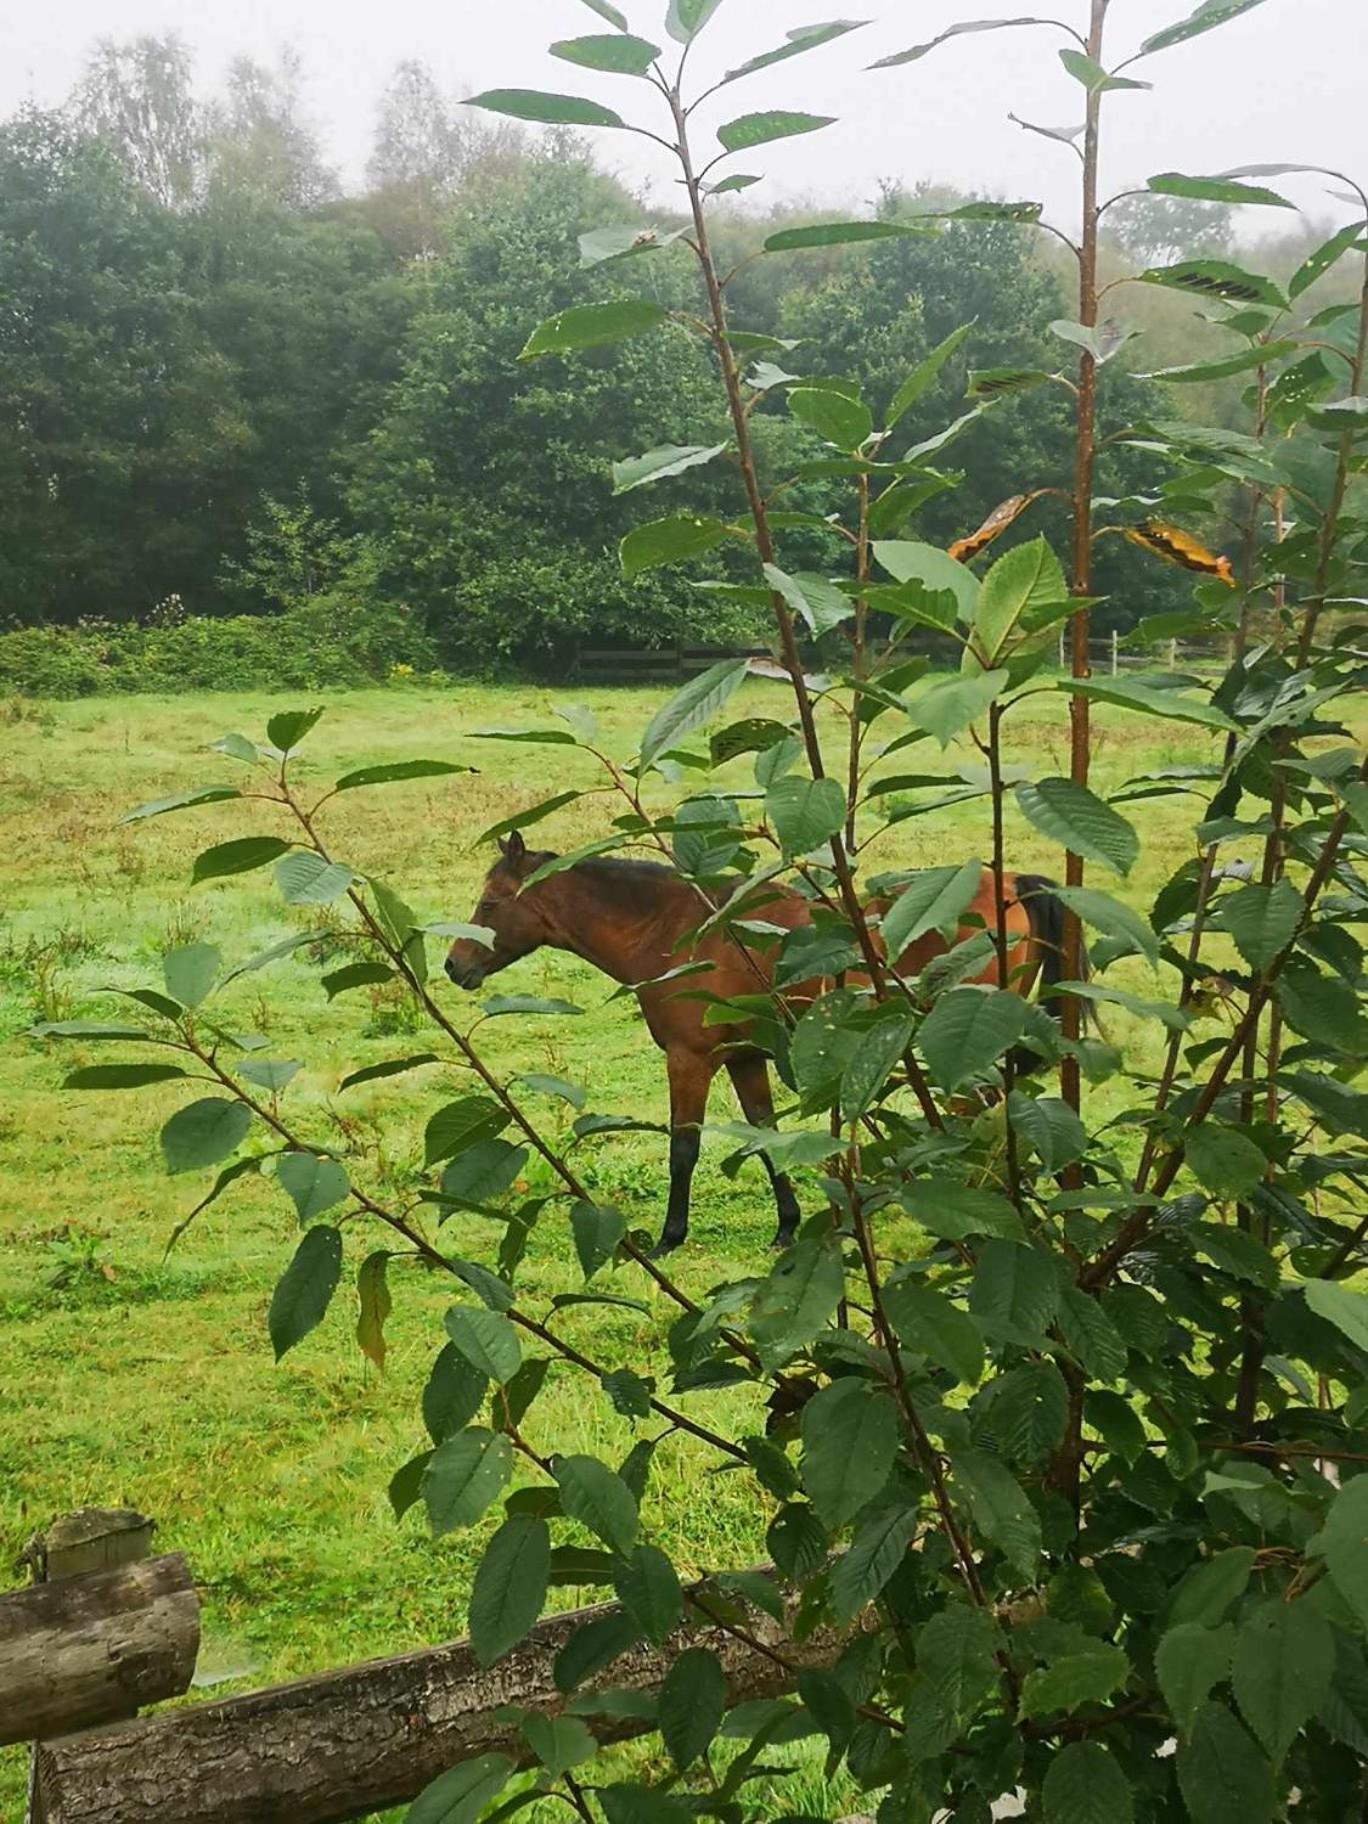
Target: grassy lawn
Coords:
[(131, 1376)]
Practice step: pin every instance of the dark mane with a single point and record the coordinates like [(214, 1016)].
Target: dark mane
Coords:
[(620, 879)]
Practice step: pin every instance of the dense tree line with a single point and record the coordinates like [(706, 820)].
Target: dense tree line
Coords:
[(230, 384)]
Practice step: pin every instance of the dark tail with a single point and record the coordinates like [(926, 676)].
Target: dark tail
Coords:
[(1045, 911)]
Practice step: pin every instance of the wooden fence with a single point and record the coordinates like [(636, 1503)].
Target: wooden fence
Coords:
[(107, 1629)]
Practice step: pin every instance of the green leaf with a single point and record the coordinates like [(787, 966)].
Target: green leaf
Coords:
[(460, 1795), (559, 1743), (1110, 917), (1091, 1336), (614, 15), (1221, 1774), (392, 1067), (693, 1699), (313, 1184), (803, 38), (1284, 1661), (819, 603), (593, 326), (85, 1029), (375, 1306), (1024, 1411), (594, 1645), (924, 375), (272, 1074), (288, 729), (1085, 1785), (833, 416), (648, 1588), (1190, 1662), (805, 813), (305, 879), (180, 801), (956, 1211), (918, 51), (968, 1030), (935, 901), (955, 1655), (462, 1124), (999, 1508), (1262, 920), (482, 1173), (601, 245), (798, 1299), (510, 1587), (465, 1475), (1077, 1679), (453, 1394), (599, 1499), (239, 857), (1215, 190), (881, 1047), (1206, 18), (760, 129), (1224, 1161), (546, 108), (356, 975), (121, 1076), (1200, 373), (840, 234), (672, 541), (999, 382), (952, 705), (406, 1484), (1094, 78), (985, 211), (1015, 1294), (1344, 1538), (523, 820), (1102, 341), (554, 1086), (618, 53), (203, 1132), (1319, 263), (929, 1323), (658, 465), (686, 18), (487, 1340), (908, 561), (1018, 595), (1346, 1310), (1210, 1589), (875, 1553), (190, 972), (398, 770), (302, 1296), (850, 1444), (1072, 815), (597, 1229), (700, 700), (1217, 279)]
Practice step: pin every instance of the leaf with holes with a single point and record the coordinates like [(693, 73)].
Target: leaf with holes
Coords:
[(465, 1474), (1078, 819), (760, 129), (798, 1299), (487, 1340), (1207, 17), (302, 1296), (1216, 279), (312, 1183)]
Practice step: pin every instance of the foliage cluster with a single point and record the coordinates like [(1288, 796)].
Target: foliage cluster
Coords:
[(1079, 1471)]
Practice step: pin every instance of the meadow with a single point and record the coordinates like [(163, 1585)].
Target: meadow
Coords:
[(130, 1375)]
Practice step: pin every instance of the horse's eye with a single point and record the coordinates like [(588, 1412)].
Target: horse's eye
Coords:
[(488, 907)]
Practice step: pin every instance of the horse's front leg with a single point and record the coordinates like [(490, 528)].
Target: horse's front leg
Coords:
[(690, 1075), (751, 1081)]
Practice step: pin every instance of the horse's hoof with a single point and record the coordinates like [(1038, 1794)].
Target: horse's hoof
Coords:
[(783, 1241), (665, 1247)]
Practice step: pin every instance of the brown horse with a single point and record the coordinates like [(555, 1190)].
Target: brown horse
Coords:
[(634, 919)]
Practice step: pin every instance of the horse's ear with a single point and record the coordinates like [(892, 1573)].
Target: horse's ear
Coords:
[(513, 848)]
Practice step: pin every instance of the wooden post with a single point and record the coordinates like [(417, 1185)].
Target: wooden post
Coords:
[(1173, 655), (1116, 652), (344, 1744)]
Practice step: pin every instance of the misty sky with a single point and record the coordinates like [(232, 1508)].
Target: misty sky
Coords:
[(1287, 82)]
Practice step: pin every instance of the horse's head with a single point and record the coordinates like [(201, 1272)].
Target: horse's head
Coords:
[(513, 917)]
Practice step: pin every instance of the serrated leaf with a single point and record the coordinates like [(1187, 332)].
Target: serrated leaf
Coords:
[(288, 729), (805, 813), (1223, 1160), (1346, 1310), (1024, 1411), (190, 972), (658, 465), (1190, 1662), (593, 326), (1111, 918), (599, 1499), (238, 857), (695, 704), (1284, 1661), (999, 1508), (1014, 1294), (597, 1230), (1084, 1784), (951, 705), (453, 1394), (1017, 596), (850, 1443), (312, 1183), (761, 129), (797, 1300), (601, 245), (876, 1551), (955, 1211), (1072, 815), (302, 1296), (968, 1030), (482, 1172), (816, 601), (464, 1477), (510, 1586), (1223, 1777), (306, 879), (935, 901), (356, 975), (1209, 1589), (648, 1588), (487, 1340), (460, 1795), (955, 1655), (203, 1132), (908, 561), (1078, 1678), (693, 1698), (546, 108), (1262, 920), (1317, 264)]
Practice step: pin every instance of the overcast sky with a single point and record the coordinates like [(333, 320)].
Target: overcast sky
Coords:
[(1286, 82)]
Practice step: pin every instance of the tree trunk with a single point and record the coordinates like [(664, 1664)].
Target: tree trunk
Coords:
[(344, 1744)]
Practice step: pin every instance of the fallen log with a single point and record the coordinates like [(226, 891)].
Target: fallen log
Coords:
[(343, 1744), (93, 1648)]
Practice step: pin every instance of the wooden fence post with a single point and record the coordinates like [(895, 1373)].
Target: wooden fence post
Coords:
[(1116, 652)]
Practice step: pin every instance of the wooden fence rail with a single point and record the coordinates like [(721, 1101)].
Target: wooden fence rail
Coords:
[(321, 1750)]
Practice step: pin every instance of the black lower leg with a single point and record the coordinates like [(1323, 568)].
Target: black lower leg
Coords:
[(786, 1202), (684, 1145)]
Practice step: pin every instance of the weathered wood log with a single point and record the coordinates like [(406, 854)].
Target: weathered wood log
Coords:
[(93, 1648), (341, 1745)]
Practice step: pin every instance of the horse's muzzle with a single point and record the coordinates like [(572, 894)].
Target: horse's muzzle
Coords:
[(466, 975)]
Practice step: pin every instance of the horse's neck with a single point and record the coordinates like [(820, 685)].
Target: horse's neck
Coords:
[(629, 947)]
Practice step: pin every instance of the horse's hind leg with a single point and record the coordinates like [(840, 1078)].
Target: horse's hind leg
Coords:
[(690, 1075), (750, 1079)]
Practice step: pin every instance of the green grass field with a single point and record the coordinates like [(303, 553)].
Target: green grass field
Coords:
[(133, 1377)]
